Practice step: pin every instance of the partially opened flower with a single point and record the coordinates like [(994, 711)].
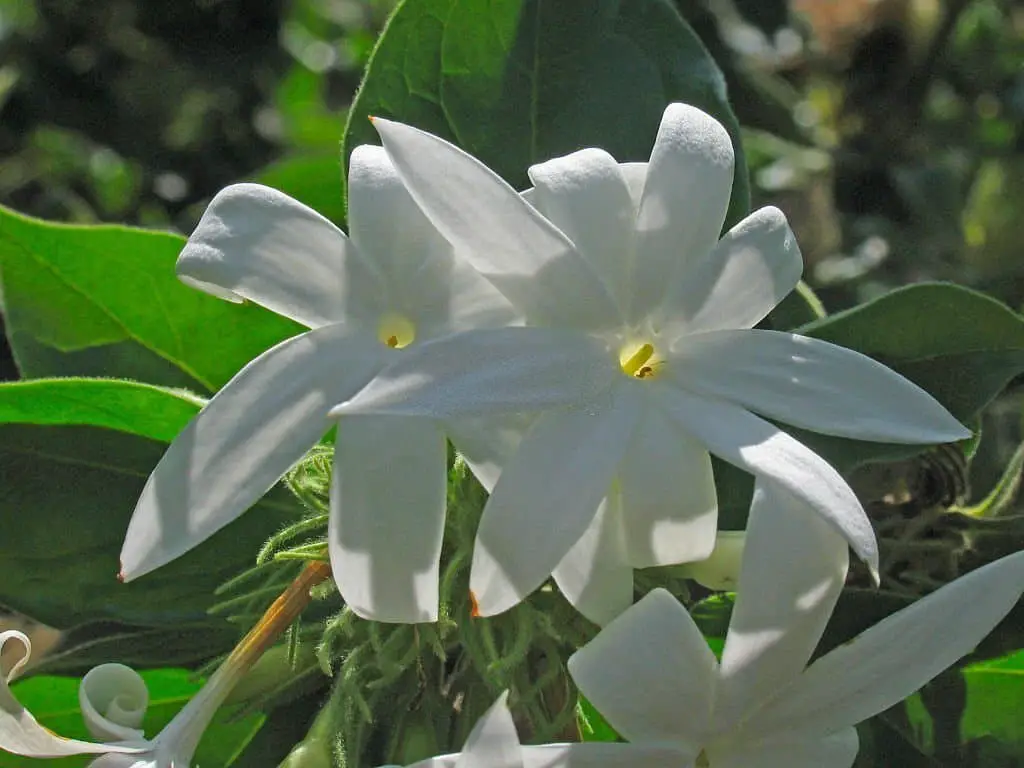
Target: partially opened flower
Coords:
[(390, 284), (641, 360), (653, 677), (113, 700), (494, 743)]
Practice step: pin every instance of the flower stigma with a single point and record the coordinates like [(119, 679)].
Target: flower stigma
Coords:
[(637, 362), (396, 331)]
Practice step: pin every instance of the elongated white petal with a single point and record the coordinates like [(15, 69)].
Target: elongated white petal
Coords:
[(736, 283), (483, 373), (546, 498), (598, 755), (493, 742), (524, 255), (811, 384), (651, 674), (594, 575), (259, 244), (420, 277), (836, 750), (21, 733), (488, 443), (585, 195), (685, 198), (794, 567), (759, 447), (113, 699), (387, 516), (894, 658), (246, 437), (669, 502)]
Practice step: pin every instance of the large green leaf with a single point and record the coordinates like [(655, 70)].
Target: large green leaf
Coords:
[(995, 699), (54, 702), (515, 82), (104, 301), (74, 457)]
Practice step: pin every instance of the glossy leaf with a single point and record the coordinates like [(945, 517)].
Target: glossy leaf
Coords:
[(516, 82), (72, 465), (104, 301)]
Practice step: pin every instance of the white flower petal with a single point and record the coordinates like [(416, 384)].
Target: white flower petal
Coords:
[(487, 443), (388, 495), (894, 658), (259, 244), (493, 742), (759, 447), (546, 497), (736, 283), (420, 276), (811, 384), (594, 575), (669, 501), (113, 699), (794, 567), (519, 251), (21, 734), (488, 372), (836, 750), (602, 755), (685, 198), (246, 437), (651, 674), (585, 195)]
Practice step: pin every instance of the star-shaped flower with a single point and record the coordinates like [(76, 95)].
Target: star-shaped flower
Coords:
[(652, 675), (641, 359), (392, 283)]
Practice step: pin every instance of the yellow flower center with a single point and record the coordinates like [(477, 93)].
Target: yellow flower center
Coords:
[(638, 361), (396, 331)]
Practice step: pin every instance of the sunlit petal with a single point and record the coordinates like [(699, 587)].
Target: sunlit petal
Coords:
[(736, 283), (256, 243), (524, 256), (546, 498), (794, 567), (585, 195), (757, 446), (246, 437), (482, 373), (835, 750), (685, 198), (892, 659), (493, 742), (669, 502), (594, 575), (811, 384), (387, 516), (420, 276), (651, 674)]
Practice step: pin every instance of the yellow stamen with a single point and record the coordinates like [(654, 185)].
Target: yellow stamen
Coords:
[(396, 331), (635, 364)]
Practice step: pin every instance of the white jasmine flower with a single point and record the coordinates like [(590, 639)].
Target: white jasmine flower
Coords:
[(653, 677), (392, 283), (641, 360), (113, 699)]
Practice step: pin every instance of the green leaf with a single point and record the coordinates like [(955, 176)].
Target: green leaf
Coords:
[(593, 726), (995, 699), (104, 301), (516, 82), (54, 702), (77, 485)]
